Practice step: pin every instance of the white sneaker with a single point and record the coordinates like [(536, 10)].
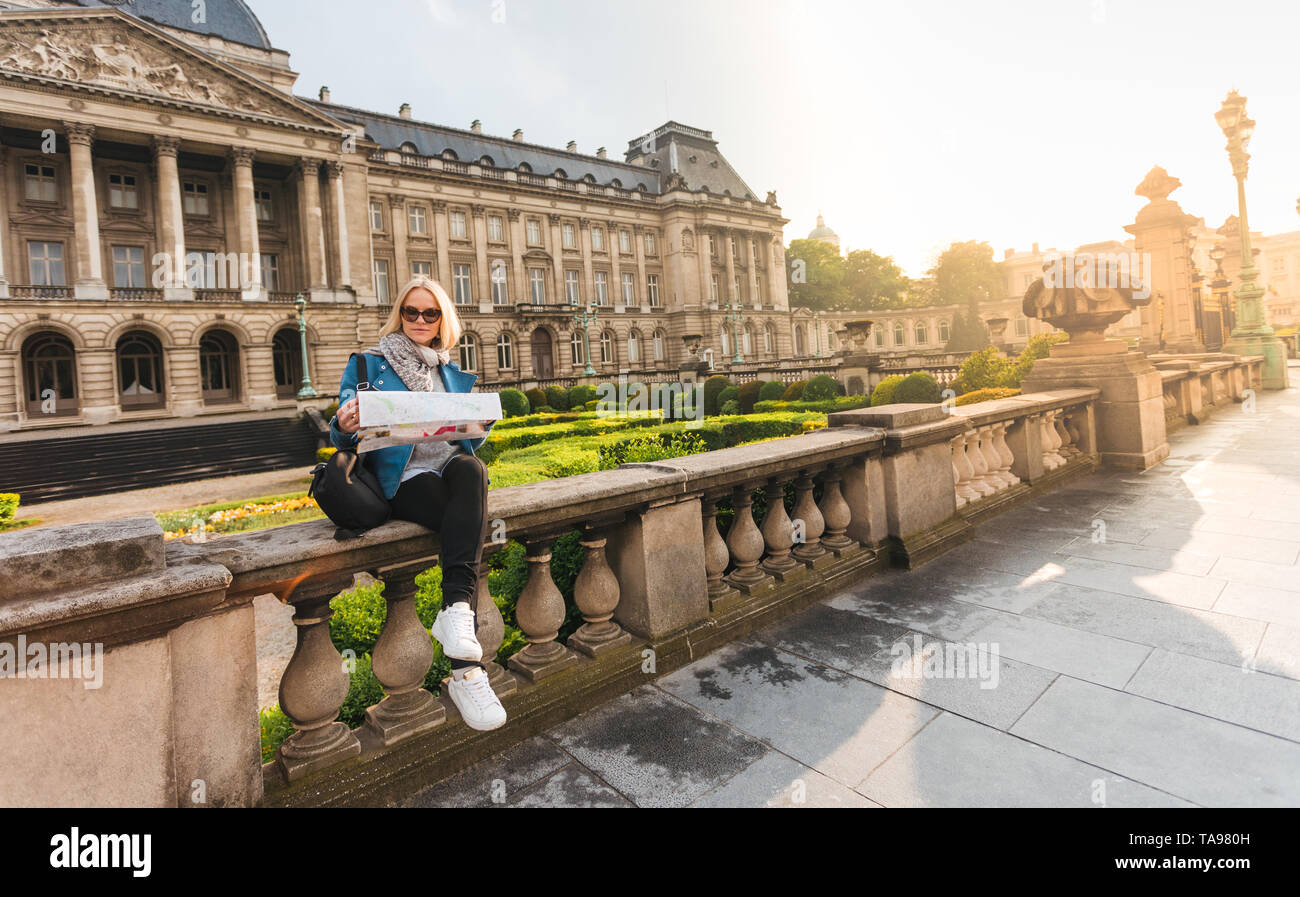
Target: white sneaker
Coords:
[(478, 704), (454, 629)]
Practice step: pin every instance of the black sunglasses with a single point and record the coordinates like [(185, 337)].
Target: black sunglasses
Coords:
[(429, 314)]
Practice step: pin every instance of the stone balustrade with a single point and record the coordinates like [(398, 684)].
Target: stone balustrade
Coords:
[(1196, 385)]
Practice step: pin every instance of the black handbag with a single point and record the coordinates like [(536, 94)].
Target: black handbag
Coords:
[(347, 491)]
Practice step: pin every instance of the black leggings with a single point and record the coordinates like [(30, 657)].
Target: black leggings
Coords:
[(454, 504)]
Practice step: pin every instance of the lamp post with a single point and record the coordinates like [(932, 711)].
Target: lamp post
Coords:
[(1251, 335), (1219, 287), (735, 316), (306, 392), (581, 319)]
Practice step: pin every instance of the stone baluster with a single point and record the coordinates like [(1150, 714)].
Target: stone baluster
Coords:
[(963, 472), (490, 627), (992, 459), (810, 549), (716, 555), (745, 542), (980, 481), (836, 514), (778, 533), (1066, 447), (1051, 459), (1005, 457), (401, 659), (596, 593), (540, 614), (314, 684)]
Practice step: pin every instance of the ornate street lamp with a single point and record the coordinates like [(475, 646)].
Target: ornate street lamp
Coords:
[(1251, 335), (306, 392), (735, 316), (582, 319)]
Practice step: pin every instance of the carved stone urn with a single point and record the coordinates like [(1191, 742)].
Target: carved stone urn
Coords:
[(692, 343), (855, 334), (1084, 295)]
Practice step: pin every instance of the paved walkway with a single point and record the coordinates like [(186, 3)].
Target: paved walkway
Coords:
[(1137, 639)]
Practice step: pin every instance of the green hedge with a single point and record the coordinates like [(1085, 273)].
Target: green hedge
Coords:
[(712, 388), (771, 391), (536, 398), (514, 403), (557, 397), (749, 393), (883, 394), (794, 392), (839, 403), (820, 387), (920, 387)]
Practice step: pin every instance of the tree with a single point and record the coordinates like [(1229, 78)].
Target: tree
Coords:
[(816, 275), (873, 281), (966, 274)]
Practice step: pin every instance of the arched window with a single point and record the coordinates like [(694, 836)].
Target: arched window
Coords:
[(139, 370), (921, 336), (616, 183), (880, 336), (725, 338), (287, 360), (633, 346), (769, 339), (468, 346), (449, 154), (50, 367), (943, 331), (525, 167), (219, 365), (898, 333), (409, 147), (659, 345), (487, 162), (798, 340), (505, 351), (575, 348), (606, 347), (588, 179), (559, 173), (641, 188), (747, 339)]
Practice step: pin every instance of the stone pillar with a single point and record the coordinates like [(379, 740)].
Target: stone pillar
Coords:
[(726, 294), (85, 210), (704, 262), (613, 230), (752, 242), (588, 269), (397, 205), (658, 557), (4, 230), (482, 275), (638, 237), (260, 368), (344, 267), (522, 289), (311, 223), (775, 271), (1161, 230), (442, 236), (250, 253), (184, 380), (11, 386), (171, 218)]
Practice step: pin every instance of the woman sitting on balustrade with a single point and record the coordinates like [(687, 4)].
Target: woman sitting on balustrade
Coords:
[(440, 485)]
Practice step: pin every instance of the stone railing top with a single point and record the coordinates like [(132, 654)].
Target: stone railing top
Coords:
[(56, 559), (996, 410)]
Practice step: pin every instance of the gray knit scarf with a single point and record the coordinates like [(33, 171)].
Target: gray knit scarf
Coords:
[(412, 362)]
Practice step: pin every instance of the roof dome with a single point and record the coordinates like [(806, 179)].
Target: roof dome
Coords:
[(822, 232), (231, 20)]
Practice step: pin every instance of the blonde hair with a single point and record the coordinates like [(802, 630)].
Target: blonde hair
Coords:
[(449, 327)]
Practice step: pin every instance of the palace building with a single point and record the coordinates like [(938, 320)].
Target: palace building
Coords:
[(168, 197)]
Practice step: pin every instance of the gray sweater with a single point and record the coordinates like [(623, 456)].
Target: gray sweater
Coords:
[(431, 455)]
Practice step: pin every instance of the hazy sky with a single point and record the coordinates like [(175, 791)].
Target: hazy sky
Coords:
[(910, 124)]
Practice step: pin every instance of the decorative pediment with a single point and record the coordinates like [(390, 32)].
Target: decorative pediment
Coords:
[(106, 50), (41, 219)]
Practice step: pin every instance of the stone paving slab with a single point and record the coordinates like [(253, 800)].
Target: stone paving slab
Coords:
[(775, 780)]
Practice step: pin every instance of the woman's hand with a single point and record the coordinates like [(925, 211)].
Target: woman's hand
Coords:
[(349, 420)]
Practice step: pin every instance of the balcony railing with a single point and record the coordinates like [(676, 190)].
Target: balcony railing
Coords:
[(207, 294), (289, 296), (135, 294), (532, 180), (28, 291)]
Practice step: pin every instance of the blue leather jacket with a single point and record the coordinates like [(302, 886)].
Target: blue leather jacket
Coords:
[(388, 463)]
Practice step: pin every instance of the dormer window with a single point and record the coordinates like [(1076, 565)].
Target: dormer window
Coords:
[(487, 162), (449, 155), (410, 148)]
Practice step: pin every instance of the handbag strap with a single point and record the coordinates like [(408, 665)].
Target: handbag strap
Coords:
[(365, 369)]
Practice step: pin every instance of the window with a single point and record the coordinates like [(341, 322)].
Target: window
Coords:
[(652, 289), (633, 346), (598, 239), (460, 284), (769, 339), (376, 215), (724, 338), (1022, 327), (943, 332), (567, 232), (735, 248), (40, 183), (753, 249), (417, 220), (649, 243), (537, 285), (194, 198), (799, 343), (1027, 279), (498, 269), (629, 288), (45, 263), (505, 351), (128, 266), (880, 337), (381, 280), (458, 225), (421, 269), (533, 227), (713, 245), (658, 344), (624, 241), (1279, 265), (121, 191), (747, 340), (739, 286), (575, 348), (496, 229), (898, 333), (602, 288), (468, 346), (713, 289), (922, 337), (758, 291), (262, 202), (606, 347), (271, 272)]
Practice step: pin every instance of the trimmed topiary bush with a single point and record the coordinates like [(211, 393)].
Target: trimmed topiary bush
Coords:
[(731, 406), (514, 403), (536, 398), (749, 393), (712, 387), (984, 395), (557, 397), (581, 394), (730, 394), (794, 392), (820, 387), (590, 404), (918, 387), (883, 394), (771, 391)]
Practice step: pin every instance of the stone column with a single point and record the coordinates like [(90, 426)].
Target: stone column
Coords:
[(727, 293), (250, 254), (311, 223), (557, 254), (1160, 230), (184, 380), (752, 242), (4, 228), (704, 261), (522, 291), (442, 236), (97, 388), (588, 270), (397, 204), (344, 277), (10, 387), (775, 271), (85, 210), (638, 237), (658, 557), (171, 218), (482, 275), (260, 367), (615, 277)]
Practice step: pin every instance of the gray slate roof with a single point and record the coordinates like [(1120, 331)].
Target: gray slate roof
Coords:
[(229, 19)]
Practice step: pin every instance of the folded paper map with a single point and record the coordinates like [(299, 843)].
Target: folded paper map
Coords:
[(405, 418)]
